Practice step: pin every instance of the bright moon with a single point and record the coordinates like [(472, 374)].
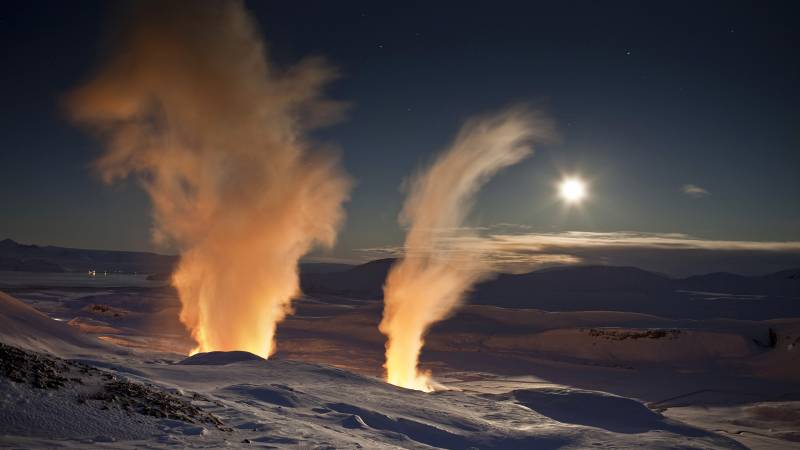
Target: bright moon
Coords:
[(572, 190)]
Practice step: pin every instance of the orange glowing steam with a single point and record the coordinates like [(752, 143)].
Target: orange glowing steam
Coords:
[(435, 272), (189, 103)]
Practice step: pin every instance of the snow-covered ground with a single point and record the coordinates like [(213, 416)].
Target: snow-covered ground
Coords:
[(517, 379)]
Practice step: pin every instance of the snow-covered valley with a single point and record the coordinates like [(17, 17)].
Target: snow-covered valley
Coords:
[(514, 379)]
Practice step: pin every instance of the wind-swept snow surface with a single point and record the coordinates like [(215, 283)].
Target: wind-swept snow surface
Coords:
[(284, 403), (112, 400), (23, 326), (518, 379)]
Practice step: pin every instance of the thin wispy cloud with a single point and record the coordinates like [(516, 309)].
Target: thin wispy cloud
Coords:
[(693, 190), (669, 241), (677, 253)]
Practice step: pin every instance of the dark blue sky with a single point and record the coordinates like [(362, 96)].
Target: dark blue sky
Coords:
[(647, 98)]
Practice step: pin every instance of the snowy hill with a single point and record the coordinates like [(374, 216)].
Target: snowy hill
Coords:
[(25, 327), (284, 404), (113, 399)]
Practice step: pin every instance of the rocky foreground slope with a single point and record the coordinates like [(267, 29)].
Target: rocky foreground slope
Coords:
[(233, 400)]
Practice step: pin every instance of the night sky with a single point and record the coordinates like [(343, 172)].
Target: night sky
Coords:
[(648, 98)]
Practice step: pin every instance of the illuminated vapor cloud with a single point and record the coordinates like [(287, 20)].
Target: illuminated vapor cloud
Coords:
[(435, 273), (214, 133)]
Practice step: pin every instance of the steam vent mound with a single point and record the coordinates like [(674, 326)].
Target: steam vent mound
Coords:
[(220, 358)]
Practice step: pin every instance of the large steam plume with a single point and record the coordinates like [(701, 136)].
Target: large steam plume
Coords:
[(215, 135), (433, 276)]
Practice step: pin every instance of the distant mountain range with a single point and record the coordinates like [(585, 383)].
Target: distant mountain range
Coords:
[(566, 288), (34, 258), (367, 280), (607, 288)]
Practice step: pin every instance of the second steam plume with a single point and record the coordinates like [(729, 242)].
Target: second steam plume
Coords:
[(434, 274), (216, 135)]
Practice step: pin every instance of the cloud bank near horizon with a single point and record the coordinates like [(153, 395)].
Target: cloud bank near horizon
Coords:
[(517, 249)]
